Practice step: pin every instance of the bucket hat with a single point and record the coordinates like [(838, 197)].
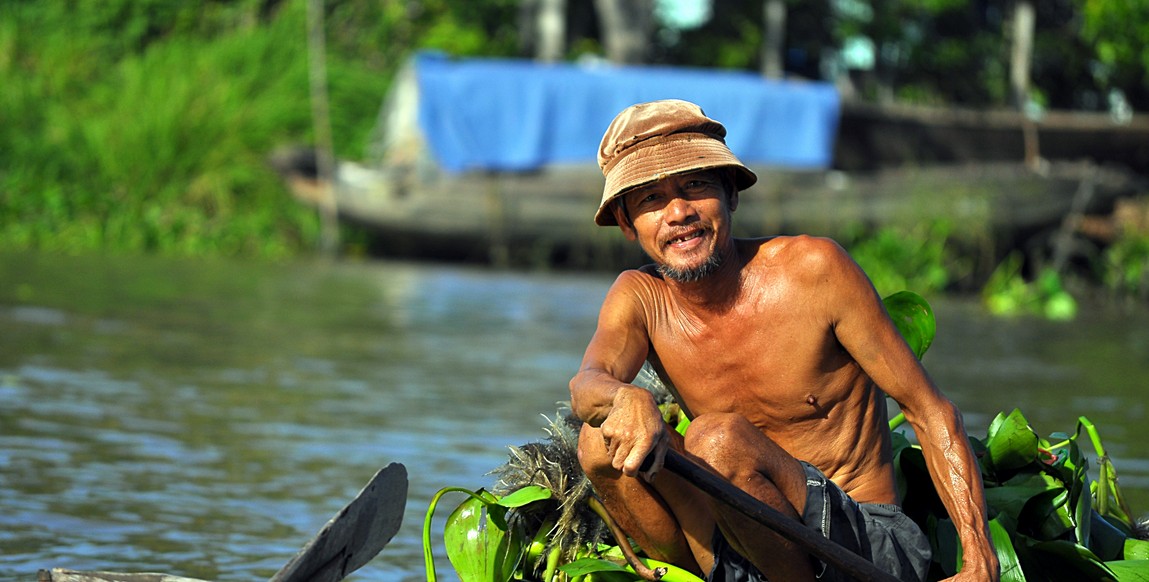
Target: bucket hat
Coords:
[(649, 141)]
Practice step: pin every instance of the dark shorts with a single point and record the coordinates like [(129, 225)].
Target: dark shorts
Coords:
[(878, 532)]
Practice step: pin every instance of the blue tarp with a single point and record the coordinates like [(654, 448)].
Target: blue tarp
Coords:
[(518, 115)]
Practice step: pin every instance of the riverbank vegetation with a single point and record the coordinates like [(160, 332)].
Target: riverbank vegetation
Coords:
[(145, 126)]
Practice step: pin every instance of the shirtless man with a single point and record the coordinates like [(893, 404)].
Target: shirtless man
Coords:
[(776, 348)]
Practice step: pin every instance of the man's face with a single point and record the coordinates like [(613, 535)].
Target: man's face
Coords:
[(681, 221)]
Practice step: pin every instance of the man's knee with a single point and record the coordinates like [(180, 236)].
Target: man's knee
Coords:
[(720, 440)]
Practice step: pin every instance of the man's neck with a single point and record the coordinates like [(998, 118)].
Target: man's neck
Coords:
[(716, 292)]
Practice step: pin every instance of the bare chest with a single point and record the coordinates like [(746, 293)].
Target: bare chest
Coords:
[(773, 368)]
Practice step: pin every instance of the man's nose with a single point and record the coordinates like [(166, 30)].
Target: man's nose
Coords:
[(679, 210)]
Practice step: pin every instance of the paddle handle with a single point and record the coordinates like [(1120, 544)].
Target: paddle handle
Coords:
[(824, 549)]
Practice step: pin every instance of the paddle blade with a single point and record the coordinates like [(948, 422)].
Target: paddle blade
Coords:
[(356, 534)]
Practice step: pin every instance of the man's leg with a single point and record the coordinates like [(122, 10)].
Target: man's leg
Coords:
[(738, 451), (669, 519)]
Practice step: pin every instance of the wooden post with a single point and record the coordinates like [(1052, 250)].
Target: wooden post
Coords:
[(551, 30), (320, 114), (625, 26), (774, 38), (1021, 54), (499, 249)]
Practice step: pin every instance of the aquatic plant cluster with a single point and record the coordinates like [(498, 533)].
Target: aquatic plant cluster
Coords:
[(1049, 518), (923, 258)]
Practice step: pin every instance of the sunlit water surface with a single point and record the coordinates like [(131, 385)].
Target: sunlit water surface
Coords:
[(205, 419)]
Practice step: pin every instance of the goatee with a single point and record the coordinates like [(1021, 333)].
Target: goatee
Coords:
[(697, 273)]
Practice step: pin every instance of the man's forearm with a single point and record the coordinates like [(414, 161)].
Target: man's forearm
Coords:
[(957, 478), (592, 395)]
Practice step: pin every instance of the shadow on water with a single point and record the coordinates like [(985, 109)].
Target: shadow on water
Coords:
[(206, 418)]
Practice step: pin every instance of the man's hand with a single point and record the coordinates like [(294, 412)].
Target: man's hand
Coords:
[(633, 431), (978, 571)]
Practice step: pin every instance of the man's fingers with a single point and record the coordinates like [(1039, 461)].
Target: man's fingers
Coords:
[(633, 462), (652, 464), (630, 459), (647, 460)]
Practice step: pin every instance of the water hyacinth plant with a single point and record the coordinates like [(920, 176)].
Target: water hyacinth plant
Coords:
[(1049, 518), (480, 542)]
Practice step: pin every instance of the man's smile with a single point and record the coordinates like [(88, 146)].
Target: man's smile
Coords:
[(683, 240)]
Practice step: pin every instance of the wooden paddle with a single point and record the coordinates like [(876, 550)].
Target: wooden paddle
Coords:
[(356, 534), (827, 551)]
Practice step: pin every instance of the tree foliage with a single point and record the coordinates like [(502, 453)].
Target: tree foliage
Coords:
[(144, 125)]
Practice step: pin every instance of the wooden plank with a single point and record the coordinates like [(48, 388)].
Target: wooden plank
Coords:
[(63, 575)]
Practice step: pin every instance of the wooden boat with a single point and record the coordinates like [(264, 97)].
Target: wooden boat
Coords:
[(880, 136), (501, 217), (443, 177)]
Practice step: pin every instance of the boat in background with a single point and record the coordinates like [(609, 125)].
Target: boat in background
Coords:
[(494, 159)]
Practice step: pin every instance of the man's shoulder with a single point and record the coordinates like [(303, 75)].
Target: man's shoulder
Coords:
[(645, 274), (798, 250), (638, 282)]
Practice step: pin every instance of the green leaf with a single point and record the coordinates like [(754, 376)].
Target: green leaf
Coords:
[(526, 495), (428, 557), (1130, 570), (478, 542), (914, 318), (1006, 556), (1011, 497), (1136, 549), (1046, 516), (1082, 507), (945, 544), (1011, 444), (919, 496), (584, 566), (1063, 560)]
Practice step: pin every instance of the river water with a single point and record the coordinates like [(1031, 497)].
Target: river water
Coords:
[(205, 419)]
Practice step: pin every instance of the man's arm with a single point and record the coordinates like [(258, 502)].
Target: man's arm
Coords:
[(601, 392), (863, 327)]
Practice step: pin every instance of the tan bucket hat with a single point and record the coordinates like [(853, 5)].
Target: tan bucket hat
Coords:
[(649, 141)]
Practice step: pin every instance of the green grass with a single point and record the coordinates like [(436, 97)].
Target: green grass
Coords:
[(121, 138)]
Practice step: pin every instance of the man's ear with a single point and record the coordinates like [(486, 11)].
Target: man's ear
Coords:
[(733, 201), (623, 221)]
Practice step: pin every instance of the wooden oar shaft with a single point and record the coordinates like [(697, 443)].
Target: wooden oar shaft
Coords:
[(827, 551)]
